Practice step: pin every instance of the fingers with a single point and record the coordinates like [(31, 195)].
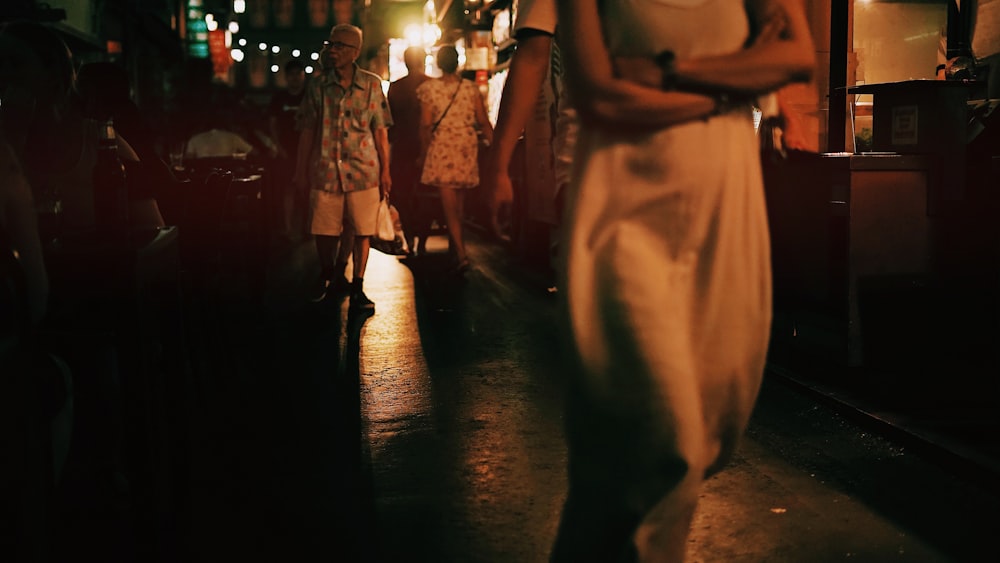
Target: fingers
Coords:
[(640, 70)]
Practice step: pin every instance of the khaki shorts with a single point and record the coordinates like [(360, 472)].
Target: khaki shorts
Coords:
[(329, 212)]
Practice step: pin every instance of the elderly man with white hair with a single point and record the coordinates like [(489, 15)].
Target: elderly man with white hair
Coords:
[(344, 120)]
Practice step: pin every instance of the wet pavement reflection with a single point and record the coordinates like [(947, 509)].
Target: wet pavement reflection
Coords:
[(431, 431)]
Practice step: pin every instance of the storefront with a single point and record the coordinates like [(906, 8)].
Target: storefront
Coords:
[(881, 243)]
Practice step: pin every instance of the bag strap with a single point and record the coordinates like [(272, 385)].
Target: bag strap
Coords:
[(448, 107)]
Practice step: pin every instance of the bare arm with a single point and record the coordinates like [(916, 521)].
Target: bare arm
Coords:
[(782, 52), (524, 82), (426, 126), (527, 73), (602, 98), (483, 119), (125, 150), (144, 212), (389, 97), (381, 135)]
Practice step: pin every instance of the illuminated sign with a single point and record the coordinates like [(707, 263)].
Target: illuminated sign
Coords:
[(197, 30)]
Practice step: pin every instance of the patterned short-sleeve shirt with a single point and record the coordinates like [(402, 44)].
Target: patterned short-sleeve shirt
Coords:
[(346, 119)]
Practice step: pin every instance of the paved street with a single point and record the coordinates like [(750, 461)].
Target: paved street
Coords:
[(431, 431)]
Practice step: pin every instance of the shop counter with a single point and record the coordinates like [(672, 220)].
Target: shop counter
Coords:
[(846, 228)]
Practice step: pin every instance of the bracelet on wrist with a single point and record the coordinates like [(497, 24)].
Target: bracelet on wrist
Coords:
[(722, 103), (668, 67)]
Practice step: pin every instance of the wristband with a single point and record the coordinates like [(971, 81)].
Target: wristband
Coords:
[(722, 104), (666, 61)]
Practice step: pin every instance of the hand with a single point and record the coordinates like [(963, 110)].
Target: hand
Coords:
[(497, 184), (384, 184), (775, 27), (641, 70)]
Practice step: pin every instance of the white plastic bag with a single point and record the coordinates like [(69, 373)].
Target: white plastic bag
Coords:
[(384, 228), (388, 237)]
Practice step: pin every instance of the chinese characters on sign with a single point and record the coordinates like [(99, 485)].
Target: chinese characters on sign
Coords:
[(904, 125)]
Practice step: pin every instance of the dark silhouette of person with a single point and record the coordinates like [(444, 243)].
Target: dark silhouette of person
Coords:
[(404, 137), (281, 113), (105, 93)]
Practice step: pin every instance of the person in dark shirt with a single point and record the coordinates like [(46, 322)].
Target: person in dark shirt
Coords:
[(404, 136), (105, 93), (281, 112)]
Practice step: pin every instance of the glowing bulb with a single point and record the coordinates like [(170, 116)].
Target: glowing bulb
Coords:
[(275, 68), (412, 34), (296, 53), (234, 27), (431, 33), (314, 56), (275, 49), (242, 42), (309, 69), (239, 6), (237, 55), (262, 46)]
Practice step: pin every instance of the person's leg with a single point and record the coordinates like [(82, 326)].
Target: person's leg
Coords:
[(359, 300), (422, 217), (338, 280), (326, 248), (403, 197), (326, 227), (450, 205), (361, 247), (362, 211)]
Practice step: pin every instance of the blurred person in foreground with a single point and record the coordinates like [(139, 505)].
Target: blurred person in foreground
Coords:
[(36, 386), (404, 137), (47, 127), (281, 112), (19, 230), (452, 116), (667, 276), (344, 117), (535, 31)]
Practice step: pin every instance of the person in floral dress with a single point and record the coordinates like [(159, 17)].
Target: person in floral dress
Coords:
[(452, 118)]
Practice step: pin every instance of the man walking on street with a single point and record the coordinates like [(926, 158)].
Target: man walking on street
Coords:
[(404, 136), (344, 118)]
